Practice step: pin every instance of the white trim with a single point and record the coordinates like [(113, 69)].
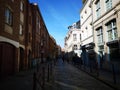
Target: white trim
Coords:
[(22, 46), (4, 39)]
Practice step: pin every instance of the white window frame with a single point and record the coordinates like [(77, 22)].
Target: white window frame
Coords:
[(74, 37), (98, 9), (21, 6), (21, 30), (112, 30), (108, 4), (100, 35)]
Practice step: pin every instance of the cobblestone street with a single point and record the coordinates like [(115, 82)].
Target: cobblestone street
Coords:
[(66, 77)]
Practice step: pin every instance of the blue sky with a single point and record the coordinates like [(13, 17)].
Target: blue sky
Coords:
[(58, 15)]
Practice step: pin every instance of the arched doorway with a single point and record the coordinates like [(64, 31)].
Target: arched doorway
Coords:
[(7, 59)]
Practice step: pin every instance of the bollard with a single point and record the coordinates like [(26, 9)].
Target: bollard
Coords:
[(34, 81), (114, 76), (48, 74), (43, 78)]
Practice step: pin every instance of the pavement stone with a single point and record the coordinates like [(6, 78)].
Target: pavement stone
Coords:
[(64, 77)]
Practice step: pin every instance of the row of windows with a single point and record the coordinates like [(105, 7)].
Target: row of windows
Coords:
[(111, 31), (108, 4), (9, 17)]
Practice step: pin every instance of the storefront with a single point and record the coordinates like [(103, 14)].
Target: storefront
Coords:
[(114, 50)]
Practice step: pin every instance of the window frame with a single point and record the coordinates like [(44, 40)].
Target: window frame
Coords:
[(108, 4), (8, 16), (22, 6), (74, 37), (112, 30), (98, 14), (100, 35)]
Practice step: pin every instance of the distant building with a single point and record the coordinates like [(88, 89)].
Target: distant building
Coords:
[(72, 39)]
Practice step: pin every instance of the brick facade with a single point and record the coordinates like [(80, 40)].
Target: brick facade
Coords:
[(22, 33)]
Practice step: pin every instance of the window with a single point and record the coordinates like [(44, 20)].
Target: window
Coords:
[(8, 16), (108, 4), (21, 29), (98, 9), (100, 35), (21, 6), (74, 37), (112, 30), (75, 47), (80, 37), (85, 11)]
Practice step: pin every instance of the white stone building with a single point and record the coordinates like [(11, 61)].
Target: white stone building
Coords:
[(86, 23), (87, 40), (106, 24), (72, 39)]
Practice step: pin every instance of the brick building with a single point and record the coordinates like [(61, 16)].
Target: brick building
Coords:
[(24, 38), (12, 36)]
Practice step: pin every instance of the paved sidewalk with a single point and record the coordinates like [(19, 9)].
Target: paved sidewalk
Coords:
[(20, 81), (104, 76)]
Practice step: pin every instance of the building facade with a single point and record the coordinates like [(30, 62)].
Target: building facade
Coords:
[(72, 39), (87, 40), (24, 38), (12, 36), (106, 23)]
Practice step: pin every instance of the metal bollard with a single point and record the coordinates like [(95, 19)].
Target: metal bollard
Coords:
[(48, 74), (43, 78), (34, 81), (114, 75)]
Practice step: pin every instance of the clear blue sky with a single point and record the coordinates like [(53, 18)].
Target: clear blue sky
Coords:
[(58, 15)]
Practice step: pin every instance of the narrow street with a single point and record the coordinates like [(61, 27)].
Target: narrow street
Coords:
[(66, 77)]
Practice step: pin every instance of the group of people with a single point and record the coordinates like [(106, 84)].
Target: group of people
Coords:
[(77, 60)]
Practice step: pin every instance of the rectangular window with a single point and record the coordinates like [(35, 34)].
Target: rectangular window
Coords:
[(80, 37), (108, 4), (74, 37), (21, 6), (8, 16), (98, 9), (21, 30), (75, 47), (112, 30), (100, 35)]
